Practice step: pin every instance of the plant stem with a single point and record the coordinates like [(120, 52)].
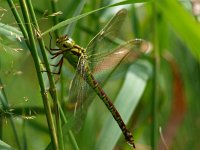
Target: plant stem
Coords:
[(39, 74), (55, 18), (19, 21), (4, 102), (155, 83)]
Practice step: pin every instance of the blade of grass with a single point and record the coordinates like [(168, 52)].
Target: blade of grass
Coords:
[(10, 31), (70, 28), (183, 24), (71, 20), (5, 146)]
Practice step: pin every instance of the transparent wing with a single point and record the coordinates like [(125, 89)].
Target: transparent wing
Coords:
[(105, 54), (122, 55), (104, 41), (77, 94)]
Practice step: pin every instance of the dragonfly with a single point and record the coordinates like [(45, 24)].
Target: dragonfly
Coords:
[(87, 61)]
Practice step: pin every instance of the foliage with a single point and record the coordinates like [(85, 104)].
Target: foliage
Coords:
[(156, 95)]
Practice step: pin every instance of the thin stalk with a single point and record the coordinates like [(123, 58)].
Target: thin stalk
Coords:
[(25, 145), (71, 136), (70, 28), (155, 82), (39, 74), (50, 77), (55, 18), (52, 87), (4, 102), (19, 21)]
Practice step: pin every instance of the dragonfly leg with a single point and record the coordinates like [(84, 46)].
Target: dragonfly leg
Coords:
[(50, 40), (50, 50), (59, 64), (56, 54)]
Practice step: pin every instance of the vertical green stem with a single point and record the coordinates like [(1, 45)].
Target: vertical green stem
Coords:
[(35, 56), (19, 21), (54, 10), (71, 136), (51, 80), (52, 85), (155, 82)]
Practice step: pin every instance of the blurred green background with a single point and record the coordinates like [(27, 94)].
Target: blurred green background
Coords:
[(158, 95)]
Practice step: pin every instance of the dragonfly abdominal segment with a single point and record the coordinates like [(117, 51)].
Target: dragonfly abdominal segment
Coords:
[(102, 95)]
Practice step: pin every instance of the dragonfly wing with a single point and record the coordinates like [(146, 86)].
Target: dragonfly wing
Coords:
[(78, 92), (126, 53), (103, 42)]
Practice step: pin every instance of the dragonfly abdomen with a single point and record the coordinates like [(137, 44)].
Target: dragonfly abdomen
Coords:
[(100, 92)]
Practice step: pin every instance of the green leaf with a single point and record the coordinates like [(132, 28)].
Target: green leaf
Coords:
[(183, 24), (4, 146), (10, 31), (68, 21)]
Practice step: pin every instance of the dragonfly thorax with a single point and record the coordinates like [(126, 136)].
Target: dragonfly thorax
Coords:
[(70, 50), (65, 43)]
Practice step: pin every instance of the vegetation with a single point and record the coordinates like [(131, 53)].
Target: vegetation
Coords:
[(157, 94)]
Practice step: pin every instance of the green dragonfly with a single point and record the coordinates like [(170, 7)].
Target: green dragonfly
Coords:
[(88, 61)]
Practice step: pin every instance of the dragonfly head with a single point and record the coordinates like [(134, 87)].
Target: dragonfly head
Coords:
[(65, 42)]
